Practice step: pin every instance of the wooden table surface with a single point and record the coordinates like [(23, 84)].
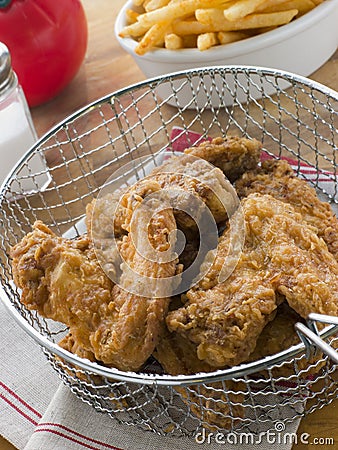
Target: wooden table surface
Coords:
[(107, 68)]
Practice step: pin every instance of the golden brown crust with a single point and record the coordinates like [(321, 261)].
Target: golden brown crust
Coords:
[(281, 254), (279, 334), (195, 186), (277, 179), (191, 175), (233, 155), (63, 280)]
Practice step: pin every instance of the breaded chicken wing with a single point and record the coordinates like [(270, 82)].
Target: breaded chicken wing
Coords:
[(281, 254), (141, 300), (277, 178), (108, 216), (63, 280), (194, 181), (196, 187), (279, 334), (178, 356), (233, 155), (72, 345)]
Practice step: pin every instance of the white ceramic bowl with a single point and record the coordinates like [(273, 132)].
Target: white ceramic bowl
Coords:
[(301, 46)]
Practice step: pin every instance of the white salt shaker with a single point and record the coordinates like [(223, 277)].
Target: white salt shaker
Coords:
[(17, 133)]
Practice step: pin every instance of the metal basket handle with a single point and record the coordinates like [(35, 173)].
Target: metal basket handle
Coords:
[(310, 336)]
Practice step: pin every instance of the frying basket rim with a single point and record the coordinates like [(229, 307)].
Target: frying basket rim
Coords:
[(238, 371)]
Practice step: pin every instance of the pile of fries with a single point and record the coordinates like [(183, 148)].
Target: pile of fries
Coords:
[(176, 24)]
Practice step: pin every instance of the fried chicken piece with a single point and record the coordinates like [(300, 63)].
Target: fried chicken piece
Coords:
[(196, 187), (281, 253), (63, 280), (225, 319), (140, 316), (277, 178), (105, 217), (233, 155), (217, 404), (194, 181), (279, 334), (70, 344), (178, 356), (106, 243), (108, 216)]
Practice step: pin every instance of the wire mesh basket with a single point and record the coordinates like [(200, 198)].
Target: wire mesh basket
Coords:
[(293, 117)]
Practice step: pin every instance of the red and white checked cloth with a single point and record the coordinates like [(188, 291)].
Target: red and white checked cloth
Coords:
[(39, 413)]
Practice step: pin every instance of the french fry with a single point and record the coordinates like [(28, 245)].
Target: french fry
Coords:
[(226, 37), (270, 4), (303, 6), (206, 40), (189, 27), (153, 37), (176, 24), (156, 4), (212, 18), (173, 42), (175, 10), (131, 16), (266, 20), (241, 9), (134, 30)]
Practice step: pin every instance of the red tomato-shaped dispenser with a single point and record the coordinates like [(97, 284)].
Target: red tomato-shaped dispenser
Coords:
[(47, 40)]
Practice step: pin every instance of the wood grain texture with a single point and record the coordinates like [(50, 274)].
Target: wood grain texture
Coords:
[(107, 68)]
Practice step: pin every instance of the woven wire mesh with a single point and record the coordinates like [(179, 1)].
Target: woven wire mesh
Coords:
[(292, 117)]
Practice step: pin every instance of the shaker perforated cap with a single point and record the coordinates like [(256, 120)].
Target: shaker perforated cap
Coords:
[(7, 76)]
